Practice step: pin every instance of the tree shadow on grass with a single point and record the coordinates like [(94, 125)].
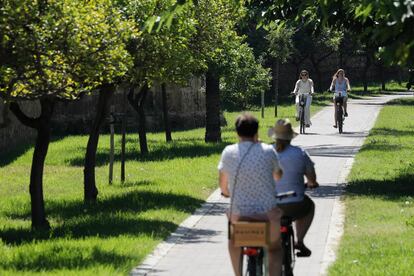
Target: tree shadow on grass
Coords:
[(160, 153), (402, 101), (56, 257), (389, 189), (376, 146), (109, 217), (391, 132), (9, 156)]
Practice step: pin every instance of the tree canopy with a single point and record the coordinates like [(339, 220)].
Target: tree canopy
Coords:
[(60, 48)]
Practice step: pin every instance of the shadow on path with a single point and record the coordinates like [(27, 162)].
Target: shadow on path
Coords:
[(326, 191), (332, 151)]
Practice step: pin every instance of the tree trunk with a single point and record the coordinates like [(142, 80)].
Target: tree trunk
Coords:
[(365, 73), (123, 133), (275, 83), (167, 125), (318, 82), (42, 125), (138, 102), (142, 131), (213, 131), (36, 177), (90, 189), (382, 76)]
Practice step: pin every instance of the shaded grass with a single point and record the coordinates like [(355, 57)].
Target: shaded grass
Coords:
[(380, 199), (129, 220)]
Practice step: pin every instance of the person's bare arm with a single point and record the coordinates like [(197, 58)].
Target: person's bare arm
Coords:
[(296, 89), (224, 183), (332, 86), (312, 88), (311, 179), (277, 175)]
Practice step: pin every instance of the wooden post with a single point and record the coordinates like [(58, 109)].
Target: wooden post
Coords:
[(111, 142), (276, 85), (263, 104)]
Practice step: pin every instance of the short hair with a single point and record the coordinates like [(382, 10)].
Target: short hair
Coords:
[(247, 125)]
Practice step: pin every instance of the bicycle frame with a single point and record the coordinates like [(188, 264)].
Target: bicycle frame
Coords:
[(339, 112), (288, 241), (302, 104)]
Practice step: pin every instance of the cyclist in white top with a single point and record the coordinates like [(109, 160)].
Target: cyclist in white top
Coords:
[(304, 86), (340, 86), (247, 171)]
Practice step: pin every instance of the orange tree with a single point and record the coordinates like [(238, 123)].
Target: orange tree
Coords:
[(52, 51)]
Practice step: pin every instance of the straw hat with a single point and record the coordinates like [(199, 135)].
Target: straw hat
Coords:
[(282, 130)]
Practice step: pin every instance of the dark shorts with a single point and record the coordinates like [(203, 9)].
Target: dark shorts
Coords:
[(297, 210)]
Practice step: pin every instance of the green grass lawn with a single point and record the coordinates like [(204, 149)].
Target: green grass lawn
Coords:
[(129, 220), (379, 225)]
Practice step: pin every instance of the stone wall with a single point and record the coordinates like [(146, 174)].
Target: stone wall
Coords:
[(186, 108), (14, 133)]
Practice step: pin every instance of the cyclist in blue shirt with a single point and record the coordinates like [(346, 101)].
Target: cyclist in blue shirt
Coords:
[(295, 164), (340, 86)]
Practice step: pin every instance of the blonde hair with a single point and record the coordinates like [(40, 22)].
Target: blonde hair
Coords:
[(335, 76), (303, 71)]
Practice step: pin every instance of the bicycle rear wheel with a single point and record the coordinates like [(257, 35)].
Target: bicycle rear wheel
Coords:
[(302, 121), (254, 264), (340, 119), (288, 252)]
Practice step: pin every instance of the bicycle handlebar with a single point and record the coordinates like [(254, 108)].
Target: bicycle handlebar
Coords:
[(293, 193)]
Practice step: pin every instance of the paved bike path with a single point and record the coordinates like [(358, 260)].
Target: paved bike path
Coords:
[(199, 246)]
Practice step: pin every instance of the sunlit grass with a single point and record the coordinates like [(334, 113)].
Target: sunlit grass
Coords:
[(379, 226)]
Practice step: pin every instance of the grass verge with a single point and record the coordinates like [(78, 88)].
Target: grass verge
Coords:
[(379, 225)]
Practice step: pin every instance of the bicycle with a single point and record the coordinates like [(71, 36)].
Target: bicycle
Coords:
[(302, 103), (339, 100), (288, 239), (301, 112), (256, 264)]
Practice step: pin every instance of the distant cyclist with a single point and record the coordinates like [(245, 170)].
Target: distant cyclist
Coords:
[(340, 85), (304, 86), (295, 163)]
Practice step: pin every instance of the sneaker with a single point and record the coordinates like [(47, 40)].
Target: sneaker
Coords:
[(346, 114), (303, 250)]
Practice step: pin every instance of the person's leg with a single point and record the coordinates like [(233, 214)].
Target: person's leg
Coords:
[(303, 223), (297, 107), (335, 110), (235, 256), (235, 251), (345, 100), (307, 110), (275, 247)]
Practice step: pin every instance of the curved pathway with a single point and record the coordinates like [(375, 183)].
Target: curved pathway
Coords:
[(199, 246)]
